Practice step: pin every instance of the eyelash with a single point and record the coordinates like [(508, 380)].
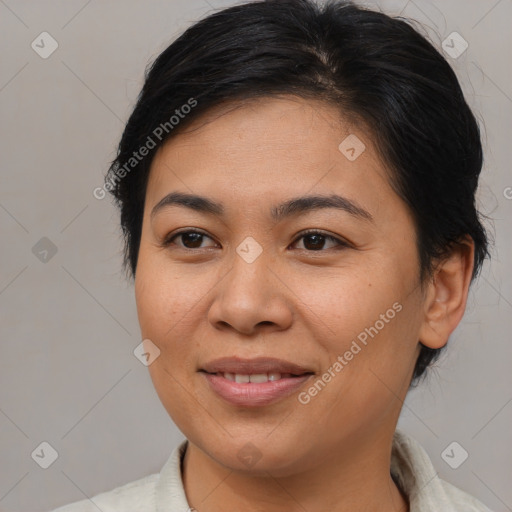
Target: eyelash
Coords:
[(341, 243)]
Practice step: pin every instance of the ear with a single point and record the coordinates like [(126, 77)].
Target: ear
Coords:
[(447, 294)]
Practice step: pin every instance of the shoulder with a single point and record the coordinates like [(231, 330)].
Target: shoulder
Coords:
[(419, 480), (461, 500), (137, 496), (159, 491)]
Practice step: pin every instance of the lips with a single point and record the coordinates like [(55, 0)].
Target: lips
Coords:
[(256, 366), (254, 382)]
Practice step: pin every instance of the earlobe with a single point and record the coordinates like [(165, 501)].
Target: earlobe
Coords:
[(447, 294)]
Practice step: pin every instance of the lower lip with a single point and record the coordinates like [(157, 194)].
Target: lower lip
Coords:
[(250, 394)]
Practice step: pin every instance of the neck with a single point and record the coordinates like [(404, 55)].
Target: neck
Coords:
[(355, 476)]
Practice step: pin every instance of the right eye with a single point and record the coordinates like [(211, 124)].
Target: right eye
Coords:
[(190, 239)]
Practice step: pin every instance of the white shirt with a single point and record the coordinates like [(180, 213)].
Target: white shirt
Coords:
[(163, 492)]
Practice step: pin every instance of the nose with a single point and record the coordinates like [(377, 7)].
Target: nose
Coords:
[(252, 297)]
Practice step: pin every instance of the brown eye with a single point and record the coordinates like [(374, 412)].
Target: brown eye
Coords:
[(313, 240), (316, 240), (189, 239)]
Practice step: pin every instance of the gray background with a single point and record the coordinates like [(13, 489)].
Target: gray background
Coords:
[(69, 325)]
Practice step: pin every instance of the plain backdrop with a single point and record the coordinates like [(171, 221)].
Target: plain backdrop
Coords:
[(68, 375)]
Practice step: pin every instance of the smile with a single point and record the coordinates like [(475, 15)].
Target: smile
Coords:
[(254, 390)]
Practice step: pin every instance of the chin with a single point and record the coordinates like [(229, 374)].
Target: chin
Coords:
[(257, 458)]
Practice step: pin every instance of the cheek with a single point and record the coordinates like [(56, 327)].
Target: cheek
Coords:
[(372, 316), (166, 308), (162, 306), (170, 300), (351, 299), (158, 297)]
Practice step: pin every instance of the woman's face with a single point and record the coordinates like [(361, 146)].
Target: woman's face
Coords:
[(349, 309)]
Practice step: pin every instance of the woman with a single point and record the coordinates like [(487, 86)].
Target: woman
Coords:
[(296, 186)]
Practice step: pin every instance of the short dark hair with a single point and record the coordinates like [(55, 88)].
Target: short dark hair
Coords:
[(375, 69)]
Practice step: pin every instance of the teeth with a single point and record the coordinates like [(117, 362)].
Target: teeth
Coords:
[(256, 377), (260, 377)]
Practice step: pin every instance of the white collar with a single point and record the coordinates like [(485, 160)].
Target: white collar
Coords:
[(410, 466)]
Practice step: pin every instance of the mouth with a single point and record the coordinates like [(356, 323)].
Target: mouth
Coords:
[(256, 378), (254, 382), (260, 369)]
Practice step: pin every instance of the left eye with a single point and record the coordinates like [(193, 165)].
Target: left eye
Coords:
[(316, 240), (313, 240)]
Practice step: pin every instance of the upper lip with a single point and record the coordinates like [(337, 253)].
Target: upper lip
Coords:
[(257, 365)]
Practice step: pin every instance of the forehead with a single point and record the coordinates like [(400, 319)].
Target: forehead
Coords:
[(270, 139), (253, 157)]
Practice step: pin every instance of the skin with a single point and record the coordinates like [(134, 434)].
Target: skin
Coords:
[(293, 302)]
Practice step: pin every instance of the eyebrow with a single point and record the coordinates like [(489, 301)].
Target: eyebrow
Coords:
[(292, 207)]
